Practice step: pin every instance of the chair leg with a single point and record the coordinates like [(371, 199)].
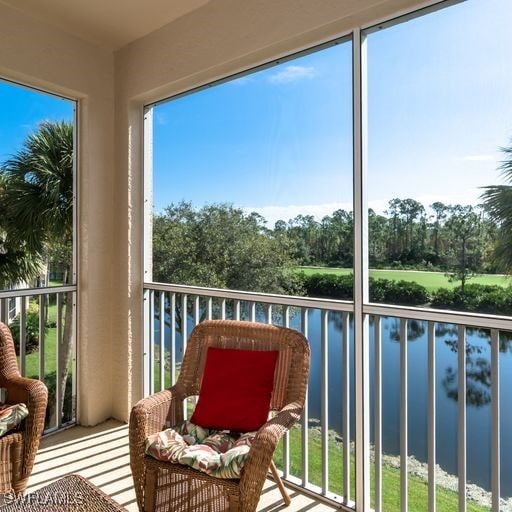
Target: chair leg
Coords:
[(150, 491), (286, 498)]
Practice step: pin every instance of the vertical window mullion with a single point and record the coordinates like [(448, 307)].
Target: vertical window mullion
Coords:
[(361, 295)]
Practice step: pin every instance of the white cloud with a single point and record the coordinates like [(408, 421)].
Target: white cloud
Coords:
[(275, 213), (161, 118), (469, 196), (243, 80), (478, 158), (292, 74)]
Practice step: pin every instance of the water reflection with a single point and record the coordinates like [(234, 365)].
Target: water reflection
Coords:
[(478, 366), (478, 378), (415, 329)]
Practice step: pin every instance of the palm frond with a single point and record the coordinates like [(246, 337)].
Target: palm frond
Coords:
[(36, 197)]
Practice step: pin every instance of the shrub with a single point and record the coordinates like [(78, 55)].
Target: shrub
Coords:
[(479, 298), (381, 290), (329, 285), (31, 330), (398, 292)]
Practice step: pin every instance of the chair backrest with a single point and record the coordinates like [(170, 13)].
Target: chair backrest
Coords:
[(292, 368), (8, 361)]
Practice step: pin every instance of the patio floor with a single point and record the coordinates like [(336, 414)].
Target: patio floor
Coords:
[(101, 454)]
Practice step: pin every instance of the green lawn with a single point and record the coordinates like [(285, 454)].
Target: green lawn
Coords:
[(32, 360), (430, 280), (447, 501)]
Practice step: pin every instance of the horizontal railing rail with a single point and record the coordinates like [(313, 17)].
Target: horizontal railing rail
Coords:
[(319, 455), (266, 298)]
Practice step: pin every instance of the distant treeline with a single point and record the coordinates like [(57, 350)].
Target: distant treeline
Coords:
[(221, 246), (444, 237)]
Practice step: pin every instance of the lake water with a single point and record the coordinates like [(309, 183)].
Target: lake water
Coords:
[(478, 359)]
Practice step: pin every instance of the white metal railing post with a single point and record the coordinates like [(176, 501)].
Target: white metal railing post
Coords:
[(162, 340), (197, 310), (361, 296), (209, 309), (74, 379), (286, 437), (147, 341), (305, 414), (324, 423), (346, 407), (172, 355), (23, 337), (431, 417), (58, 349), (496, 440), (377, 376), (461, 397), (151, 354), (42, 327), (404, 438), (184, 339)]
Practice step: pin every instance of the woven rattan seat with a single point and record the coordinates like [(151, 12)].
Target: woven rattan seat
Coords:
[(161, 486), (18, 449)]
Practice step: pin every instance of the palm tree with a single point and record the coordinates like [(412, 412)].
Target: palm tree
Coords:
[(16, 264), (36, 196), (498, 203)]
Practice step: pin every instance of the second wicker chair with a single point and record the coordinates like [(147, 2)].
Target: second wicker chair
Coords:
[(18, 448), (162, 486)]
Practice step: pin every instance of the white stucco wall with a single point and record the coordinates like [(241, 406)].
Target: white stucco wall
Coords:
[(38, 55)]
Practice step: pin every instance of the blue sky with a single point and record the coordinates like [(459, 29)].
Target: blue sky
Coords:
[(279, 141), (21, 111)]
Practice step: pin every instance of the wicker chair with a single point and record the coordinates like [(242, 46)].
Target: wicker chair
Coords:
[(161, 486), (18, 449)]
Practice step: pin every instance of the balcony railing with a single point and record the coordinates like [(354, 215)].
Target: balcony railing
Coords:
[(37, 317), (438, 400)]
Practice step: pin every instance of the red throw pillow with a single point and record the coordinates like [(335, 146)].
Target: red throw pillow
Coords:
[(236, 389)]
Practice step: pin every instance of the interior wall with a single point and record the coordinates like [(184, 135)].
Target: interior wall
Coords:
[(219, 39), (38, 55)]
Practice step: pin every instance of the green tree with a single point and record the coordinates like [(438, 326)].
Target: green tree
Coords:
[(304, 232), (498, 203), (407, 230), (378, 231), (440, 212), (16, 263), (221, 246), (37, 201), (463, 232)]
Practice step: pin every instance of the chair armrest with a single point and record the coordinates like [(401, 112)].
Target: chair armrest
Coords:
[(34, 394), (151, 414), (157, 412), (262, 450)]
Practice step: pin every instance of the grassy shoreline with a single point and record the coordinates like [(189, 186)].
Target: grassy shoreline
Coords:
[(447, 500)]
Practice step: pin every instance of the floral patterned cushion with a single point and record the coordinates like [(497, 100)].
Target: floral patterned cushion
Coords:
[(217, 453), (11, 416)]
